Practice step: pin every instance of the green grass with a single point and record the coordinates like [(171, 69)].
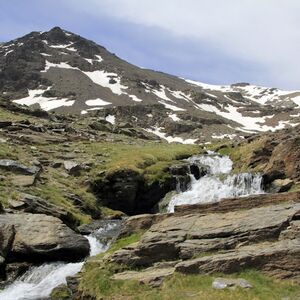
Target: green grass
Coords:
[(181, 286), (241, 155)]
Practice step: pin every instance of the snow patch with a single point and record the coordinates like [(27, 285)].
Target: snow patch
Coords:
[(96, 102), (174, 117), (102, 78), (135, 98), (172, 107), (111, 119), (62, 65), (35, 96), (157, 131)]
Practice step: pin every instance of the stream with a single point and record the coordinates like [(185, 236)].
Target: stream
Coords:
[(219, 183), (39, 281)]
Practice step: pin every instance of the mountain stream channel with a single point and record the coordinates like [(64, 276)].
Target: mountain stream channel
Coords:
[(220, 182)]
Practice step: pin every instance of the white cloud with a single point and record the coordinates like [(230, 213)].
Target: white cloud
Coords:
[(263, 32)]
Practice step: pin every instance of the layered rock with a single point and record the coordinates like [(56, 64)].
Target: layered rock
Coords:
[(264, 236), (42, 238)]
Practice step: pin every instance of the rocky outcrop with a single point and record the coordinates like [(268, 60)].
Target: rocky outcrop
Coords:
[(280, 259), (236, 204), (130, 192), (262, 235), (36, 205), (42, 238)]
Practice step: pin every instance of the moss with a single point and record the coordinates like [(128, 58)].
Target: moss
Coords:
[(61, 292), (241, 155)]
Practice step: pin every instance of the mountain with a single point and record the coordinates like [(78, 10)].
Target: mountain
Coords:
[(63, 72)]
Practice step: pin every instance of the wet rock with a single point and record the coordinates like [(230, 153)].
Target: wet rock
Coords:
[(223, 283), (14, 166), (13, 271), (235, 204), (43, 238)]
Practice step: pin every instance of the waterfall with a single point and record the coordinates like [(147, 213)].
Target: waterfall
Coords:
[(218, 184), (38, 282)]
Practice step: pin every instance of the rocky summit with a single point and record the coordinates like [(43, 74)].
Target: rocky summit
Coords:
[(61, 71), (118, 182)]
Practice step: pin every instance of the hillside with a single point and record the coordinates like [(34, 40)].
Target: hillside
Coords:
[(64, 72)]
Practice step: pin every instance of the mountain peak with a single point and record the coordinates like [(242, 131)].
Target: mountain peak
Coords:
[(65, 72)]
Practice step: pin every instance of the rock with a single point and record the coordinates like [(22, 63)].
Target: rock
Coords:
[(7, 234), (280, 185), (141, 222), (210, 235), (43, 238), (56, 164), (222, 283), (1, 208), (14, 166), (13, 271), (37, 205), (235, 204), (23, 180), (153, 277), (72, 167), (101, 126), (280, 259), (4, 124)]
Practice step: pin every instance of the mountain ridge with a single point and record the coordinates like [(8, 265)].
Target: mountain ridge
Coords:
[(64, 72)]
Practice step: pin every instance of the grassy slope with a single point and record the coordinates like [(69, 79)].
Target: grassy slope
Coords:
[(95, 281), (147, 157)]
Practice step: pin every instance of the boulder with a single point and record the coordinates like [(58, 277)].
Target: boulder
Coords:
[(40, 238), (72, 167), (281, 185), (14, 166)]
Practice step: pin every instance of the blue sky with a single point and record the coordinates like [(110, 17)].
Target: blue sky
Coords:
[(213, 41)]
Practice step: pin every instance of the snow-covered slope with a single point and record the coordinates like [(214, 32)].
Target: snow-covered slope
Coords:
[(61, 71)]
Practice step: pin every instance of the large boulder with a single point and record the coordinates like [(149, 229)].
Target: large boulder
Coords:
[(40, 237)]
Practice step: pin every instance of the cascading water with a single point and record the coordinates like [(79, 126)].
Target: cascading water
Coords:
[(38, 282), (218, 184)]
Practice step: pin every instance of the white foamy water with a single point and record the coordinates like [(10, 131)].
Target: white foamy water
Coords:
[(218, 184), (38, 282)]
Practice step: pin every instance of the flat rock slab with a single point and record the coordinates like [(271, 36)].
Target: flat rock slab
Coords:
[(280, 259), (223, 283), (14, 166), (40, 237), (23, 180), (151, 276)]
